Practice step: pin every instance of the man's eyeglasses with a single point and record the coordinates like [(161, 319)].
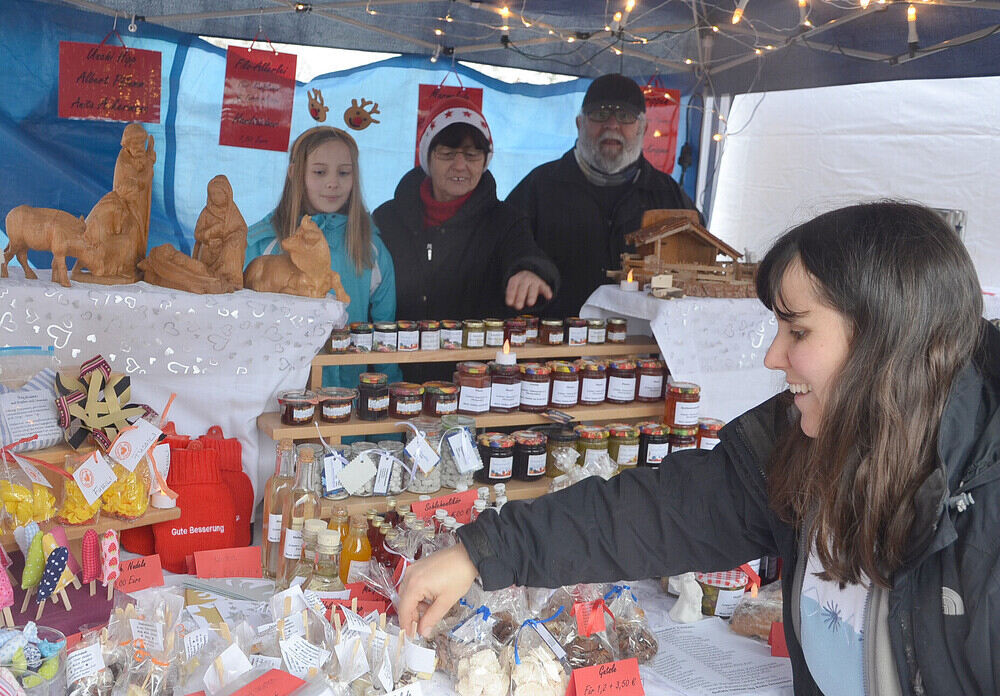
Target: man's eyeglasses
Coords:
[(603, 113), (471, 155)]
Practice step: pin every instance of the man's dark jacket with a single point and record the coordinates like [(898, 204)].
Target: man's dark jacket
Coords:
[(708, 510), (569, 225)]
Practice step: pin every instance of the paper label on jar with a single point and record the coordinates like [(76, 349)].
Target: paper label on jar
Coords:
[(678, 448), (274, 528), (686, 413), (303, 413), (357, 569), (591, 455), (577, 335), (362, 341), (531, 334), (403, 407), (534, 393), (555, 338), (476, 339), (617, 336), (474, 399), (593, 388), (443, 408), (293, 543), (331, 410), (494, 337), (83, 663), (565, 393), (596, 335), (505, 395), (422, 453), (451, 337), (621, 388), (628, 455), (536, 464), (501, 467), (727, 602), (656, 452), (409, 340), (430, 340), (358, 472), (518, 339), (340, 344), (378, 403), (382, 477), (651, 386), (386, 339), (709, 442), (333, 464)]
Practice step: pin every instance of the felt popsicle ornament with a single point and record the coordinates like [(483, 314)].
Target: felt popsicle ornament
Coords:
[(49, 545), (5, 562), (109, 561), (54, 567), (6, 600), (90, 558), (34, 564)]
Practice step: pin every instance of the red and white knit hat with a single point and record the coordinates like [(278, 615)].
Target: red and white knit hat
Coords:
[(446, 113)]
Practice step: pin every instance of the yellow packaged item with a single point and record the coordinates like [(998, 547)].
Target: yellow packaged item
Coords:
[(128, 496), (24, 501), (74, 508)]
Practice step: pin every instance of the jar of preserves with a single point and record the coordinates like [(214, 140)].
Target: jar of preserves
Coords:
[(473, 379), (529, 455), (505, 392), (683, 438), (298, 406), (565, 390), (576, 331), (596, 331), (451, 477), (623, 444), (708, 432), (451, 334), (621, 381), (515, 330), (650, 374), (682, 404), (361, 337), (430, 334), (654, 443), (406, 400), (593, 381), (340, 340), (535, 380), (592, 440), (530, 327), (494, 332), (408, 336), (560, 440), (550, 332), (617, 330), (385, 337), (335, 404), (440, 398), (373, 400), (473, 333), (425, 481), (497, 452)]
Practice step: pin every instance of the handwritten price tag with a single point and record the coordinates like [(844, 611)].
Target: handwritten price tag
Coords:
[(140, 573), (458, 505), (131, 445), (274, 683), (243, 562), (612, 679)]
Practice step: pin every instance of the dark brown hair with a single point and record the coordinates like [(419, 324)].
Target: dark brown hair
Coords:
[(907, 287), (453, 136)]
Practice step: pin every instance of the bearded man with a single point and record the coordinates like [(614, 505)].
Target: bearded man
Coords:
[(581, 206)]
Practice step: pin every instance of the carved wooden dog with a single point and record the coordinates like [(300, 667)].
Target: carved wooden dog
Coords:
[(45, 229), (304, 268)]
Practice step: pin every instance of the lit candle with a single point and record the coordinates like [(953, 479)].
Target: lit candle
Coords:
[(629, 285), (505, 357)]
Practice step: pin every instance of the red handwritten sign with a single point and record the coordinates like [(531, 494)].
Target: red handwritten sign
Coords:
[(363, 592), (274, 683), (140, 573), (590, 617), (243, 562), (257, 100), (427, 98), (659, 144), (109, 83), (458, 505), (612, 679)]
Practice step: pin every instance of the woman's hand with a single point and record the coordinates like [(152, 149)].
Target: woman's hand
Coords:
[(523, 290), (432, 585)]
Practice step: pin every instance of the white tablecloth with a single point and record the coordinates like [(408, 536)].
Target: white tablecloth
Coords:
[(226, 356)]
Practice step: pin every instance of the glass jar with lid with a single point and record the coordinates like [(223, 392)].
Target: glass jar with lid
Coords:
[(565, 390), (473, 380), (708, 432), (494, 332), (505, 390), (440, 398), (650, 375), (421, 481), (681, 409), (451, 477), (430, 334), (593, 381), (385, 337), (408, 336), (396, 483), (530, 327), (333, 490), (451, 334), (617, 330), (623, 444), (515, 330), (535, 385), (298, 406), (335, 403), (497, 452), (362, 447), (685, 437), (576, 331), (339, 341), (621, 381), (560, 440), (529, 455), (596, 331), (551, 332), (592, 440), (406, 400), (373, 399), (473, 333), (654, 443), (361, 337)]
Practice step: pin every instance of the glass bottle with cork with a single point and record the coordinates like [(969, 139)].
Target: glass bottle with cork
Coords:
[(291, 552), (275, 491), (325, 575), (304, 568), (301, 504), (338, 521), (356, 551)]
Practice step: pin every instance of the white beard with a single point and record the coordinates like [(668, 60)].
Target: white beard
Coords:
[(591, 153)]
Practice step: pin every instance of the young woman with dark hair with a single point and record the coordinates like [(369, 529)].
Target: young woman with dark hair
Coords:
[(875, 476)]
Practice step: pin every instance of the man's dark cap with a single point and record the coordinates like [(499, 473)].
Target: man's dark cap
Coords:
[(614, 90)]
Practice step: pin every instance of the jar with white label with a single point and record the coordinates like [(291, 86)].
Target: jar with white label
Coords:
[(425, 481), (529, 455), (551, 332), (708, 432), (430, 334), (621, 381), (440, 398), (535, 385), (338, 491), (650, 375), (473, 333), (683, 438), (396, 476), (451, 477), (623, 444), (596, 332), (339, 341), (592, 441), (617, 328), (451, 334), (384, 338), (406, 400), (505, 390), (373, 399), (593, 381), (474, 382), (408, 336), (297, 406), (565, 389), (497, 452), (654, 443), (576, 331), (335, 403), (362, 334), (494, 332), (683, 399)]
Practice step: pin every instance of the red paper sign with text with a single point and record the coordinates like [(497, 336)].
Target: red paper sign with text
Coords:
[(257, 101), (429, 95), (612, 679), (274, 683), (458, 505), (590, 617), (140, 573), (363, 592), (109, 83), (242, 562), (663, 108)]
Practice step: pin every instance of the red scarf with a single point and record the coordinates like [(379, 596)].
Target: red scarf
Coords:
[(436, 212)]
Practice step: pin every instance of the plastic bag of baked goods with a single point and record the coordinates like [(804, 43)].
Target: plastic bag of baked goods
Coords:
[(754, 615), (538, 665), (586, 628), (631, 626), (470, 655)]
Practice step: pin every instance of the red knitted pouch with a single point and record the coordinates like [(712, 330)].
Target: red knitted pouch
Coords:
[(239, 485)]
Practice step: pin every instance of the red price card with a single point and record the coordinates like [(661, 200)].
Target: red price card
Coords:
[(612, 679), (257, 101), (109, 83), (243, 562), (458, 505), (589, 617), (140, 573), (274, 683)]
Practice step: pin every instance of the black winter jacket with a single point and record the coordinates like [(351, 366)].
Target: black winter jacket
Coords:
[(943, 611), (569, 226)]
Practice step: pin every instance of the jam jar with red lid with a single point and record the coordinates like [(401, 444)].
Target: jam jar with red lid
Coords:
[(474, 382), (408, 336), (621, 381), (505, 392), (576, 331), (551, 332), (361, 337), (708, 432), (535, 385), (565, 390), (440, 398), (515, 330), (650, 375), (654, 443), (385, 337), (497, 452), (529, 454), (451, 334), (530, 327), (406, 400), (592, 440), (593, 381), (298, 406), (373, 396), (430, 334), (685, 437), (683, 399), (335, 404)]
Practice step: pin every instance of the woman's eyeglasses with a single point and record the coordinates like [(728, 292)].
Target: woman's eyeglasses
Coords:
[(471, 155), (602, 114)]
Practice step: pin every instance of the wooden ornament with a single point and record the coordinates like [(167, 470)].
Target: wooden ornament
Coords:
[(221, 235), (45, 229), (167, 267), (115, 235)]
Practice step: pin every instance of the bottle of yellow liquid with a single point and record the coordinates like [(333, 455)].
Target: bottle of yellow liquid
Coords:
[(275, 492), (301, 504), (355, 551), (340, 521), (325, 575)]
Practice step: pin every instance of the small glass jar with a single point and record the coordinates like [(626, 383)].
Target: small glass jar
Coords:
[(451, 334), (529, 455), (515, 330), (558, 439), (385, 338), (596, 331), (617, 330), (440, 398), (430, 334), (576, 331), (535, 386), (623, 444), (683, 438), (335, 404), (339, 492), (650, 374), (395, 485), (621, 381), (530, 327), (358, 448), (340, 340), (408, 334), (683, 399), (494, 332), (473, 333), (451, 477), (473, 380), (421, 481), (497, 453), (551, 332), (373, 400), (708, 432), (505, 391), (298, 406), (361, 337), (593, 381), (592, 440), (406, 400), (565, 389), (654, 443)]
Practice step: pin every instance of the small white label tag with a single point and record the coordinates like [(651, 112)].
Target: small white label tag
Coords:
[(293, 543), (422, 453), (465, 453), (131, 445), (83, 663), (382, 477), (333, 464), (550, 641), (150, 632), (419, 660), (31, 472), (265, 661), (274, 528), (358, 472), (301, 656), (291, 626), (195, 641), (94, 476)]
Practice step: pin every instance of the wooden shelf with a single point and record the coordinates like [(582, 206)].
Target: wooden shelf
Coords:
[(270, 423), (75, 533)]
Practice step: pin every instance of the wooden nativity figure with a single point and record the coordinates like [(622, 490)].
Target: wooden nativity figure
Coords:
[(45, 229), (220, 235), (113, 232), (303, 269)]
